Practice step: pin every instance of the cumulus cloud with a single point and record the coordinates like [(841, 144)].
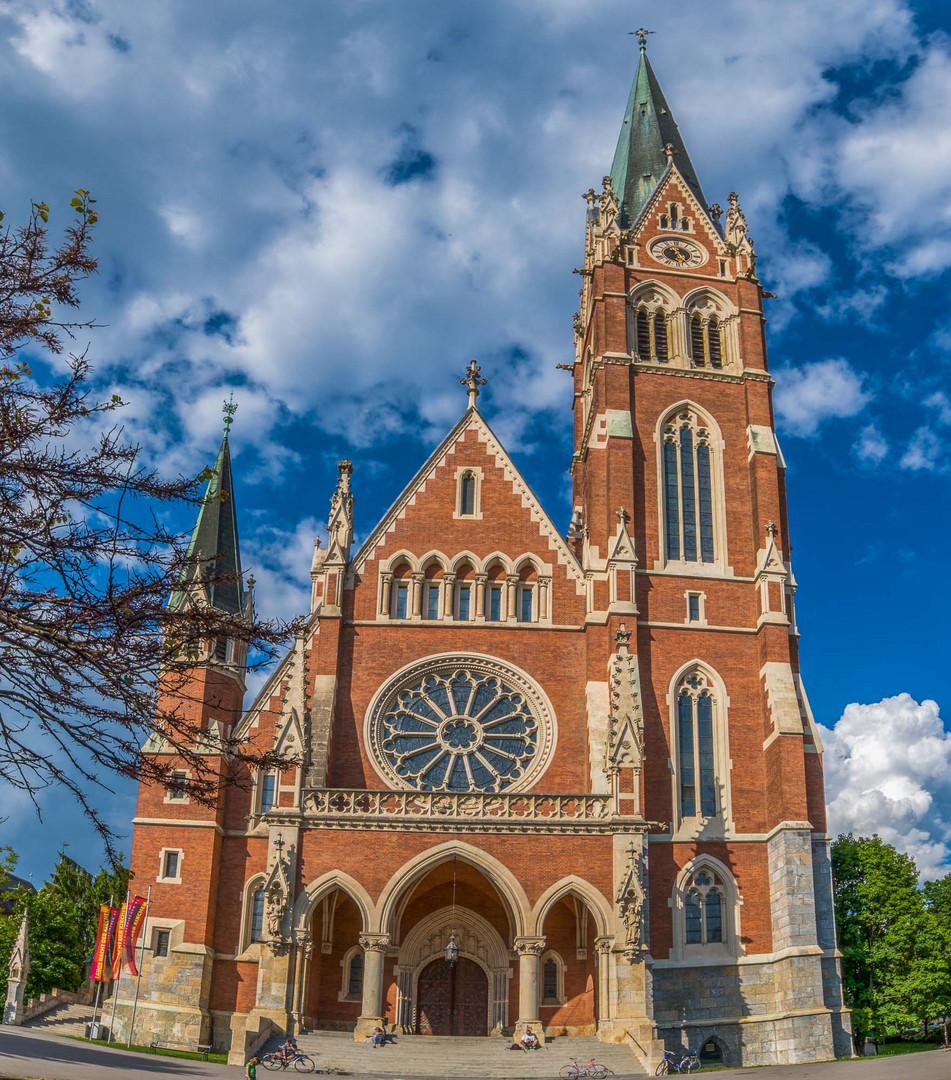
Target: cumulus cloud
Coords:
[(871, 445), (924, 450), (888, 771), (806, 397)]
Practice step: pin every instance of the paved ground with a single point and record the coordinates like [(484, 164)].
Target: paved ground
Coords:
[(36, 1054)]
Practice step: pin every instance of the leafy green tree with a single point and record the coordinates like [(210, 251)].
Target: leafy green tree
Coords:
[(895, 959)]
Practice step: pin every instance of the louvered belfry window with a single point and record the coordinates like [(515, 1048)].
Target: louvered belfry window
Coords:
[(688, 490)]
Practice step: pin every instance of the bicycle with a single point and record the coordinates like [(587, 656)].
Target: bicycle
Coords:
[(591, 1068), (301, 1062), (687, 1063)]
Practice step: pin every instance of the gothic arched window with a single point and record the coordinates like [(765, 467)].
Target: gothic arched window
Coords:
[(704, 909), (650, 336), (467, 495), (355, 975), (696, 755), (705, 340), (688, 489)]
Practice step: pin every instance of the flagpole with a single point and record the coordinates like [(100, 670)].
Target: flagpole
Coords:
[(138, 978), (115, 989), (98, 1001)]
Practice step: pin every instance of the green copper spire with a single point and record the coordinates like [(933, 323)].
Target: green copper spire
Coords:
[(214, 540), (649, 137)]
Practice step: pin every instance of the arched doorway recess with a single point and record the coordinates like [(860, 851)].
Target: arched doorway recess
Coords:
[(420, 979)]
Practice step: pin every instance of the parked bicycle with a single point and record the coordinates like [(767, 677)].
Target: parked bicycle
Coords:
[(681, 1063), (278, 1060), (590, 1068)]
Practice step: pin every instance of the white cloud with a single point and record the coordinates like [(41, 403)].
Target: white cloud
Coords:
[(806, 397), (923, 451), (871, 445), (888, 771)]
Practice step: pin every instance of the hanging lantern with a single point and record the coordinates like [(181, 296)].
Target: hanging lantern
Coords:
[(452, 949)]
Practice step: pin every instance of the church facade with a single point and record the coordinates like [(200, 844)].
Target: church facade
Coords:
[(560, 778)]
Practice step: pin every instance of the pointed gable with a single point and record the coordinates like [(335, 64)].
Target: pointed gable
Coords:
[(506, 517)]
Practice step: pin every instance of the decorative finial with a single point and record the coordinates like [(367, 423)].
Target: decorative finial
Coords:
[(623, 515), (279, 843), (623, 638), (670, 151), (345, 468), (770, 528), (473, 380), (228, 409), (642, 37)]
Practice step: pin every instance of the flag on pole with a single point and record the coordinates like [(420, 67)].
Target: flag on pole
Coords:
[(135, 915), (116, 957), (101, 960)]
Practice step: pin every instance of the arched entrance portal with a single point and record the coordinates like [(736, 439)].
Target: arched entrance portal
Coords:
[(452, 999)]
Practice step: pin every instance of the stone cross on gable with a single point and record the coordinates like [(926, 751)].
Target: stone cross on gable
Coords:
[(472, 381)]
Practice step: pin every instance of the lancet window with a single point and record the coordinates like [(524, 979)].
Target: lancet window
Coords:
[(257, 915), (651, 342), (706, 341), (704, 909), (688, 482), (696, 753)]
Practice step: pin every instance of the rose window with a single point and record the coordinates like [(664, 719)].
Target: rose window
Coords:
[(460, 724)]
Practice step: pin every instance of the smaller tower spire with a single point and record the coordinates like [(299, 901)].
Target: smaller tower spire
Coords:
[(473, 380), (228, 409)]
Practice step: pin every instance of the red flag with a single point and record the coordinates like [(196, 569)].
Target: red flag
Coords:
[(116, 959), (135, 915), (108, 916)]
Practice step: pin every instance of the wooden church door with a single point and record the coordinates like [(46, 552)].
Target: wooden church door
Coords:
[(452, 999)]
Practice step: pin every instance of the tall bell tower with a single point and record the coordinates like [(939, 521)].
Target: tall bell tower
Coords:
[(680, 523)]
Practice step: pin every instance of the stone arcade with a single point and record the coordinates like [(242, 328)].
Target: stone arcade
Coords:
[(585, 759)]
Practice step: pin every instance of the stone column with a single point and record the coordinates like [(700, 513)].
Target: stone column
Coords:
[(511, 597), (543, 594), (480, 580), (449, 591), (417, 597), (304, 946), (371, 1013), (529, 951), (387, 580), (602, 948)]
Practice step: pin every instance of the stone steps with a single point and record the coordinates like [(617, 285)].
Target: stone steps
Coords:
[(459, 1056), (63, 1020)]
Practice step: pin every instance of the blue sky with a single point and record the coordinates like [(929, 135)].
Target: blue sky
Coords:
[(329, 208)]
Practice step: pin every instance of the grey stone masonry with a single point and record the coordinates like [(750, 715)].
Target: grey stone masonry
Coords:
[(792, 894)]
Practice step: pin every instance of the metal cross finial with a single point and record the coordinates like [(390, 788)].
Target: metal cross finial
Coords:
[(473, 380), (642, 36), (228, 409)]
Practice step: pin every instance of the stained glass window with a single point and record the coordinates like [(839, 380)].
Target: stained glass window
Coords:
[(550, 988), (704, 910), (458, 729), (467, 495), (696, 748), (688, 788), (355, 979), (693, 918), (688, 490), (432, 601), (495, 603), (257, 915)]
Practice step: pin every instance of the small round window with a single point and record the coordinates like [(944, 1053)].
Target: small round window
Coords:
[(460, 724)]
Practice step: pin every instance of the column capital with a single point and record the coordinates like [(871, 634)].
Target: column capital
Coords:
[(603, 945), (529, 946), (374, 942)]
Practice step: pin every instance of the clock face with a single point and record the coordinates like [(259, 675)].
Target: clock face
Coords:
[(677, 252)]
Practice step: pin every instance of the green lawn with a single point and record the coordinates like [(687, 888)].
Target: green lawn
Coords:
[(220, 1059), (892, 1049)]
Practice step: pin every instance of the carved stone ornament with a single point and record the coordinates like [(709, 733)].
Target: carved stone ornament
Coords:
[(631, 904), (374, 942), (529, 946), (277, 893), (626, 731), (608, 209)]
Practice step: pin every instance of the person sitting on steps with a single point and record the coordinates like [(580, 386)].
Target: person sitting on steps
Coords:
[(529, 1040), (378, 1037)]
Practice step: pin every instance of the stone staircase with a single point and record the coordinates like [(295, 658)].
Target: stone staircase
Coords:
[(63, 1020), (444, 1056)]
